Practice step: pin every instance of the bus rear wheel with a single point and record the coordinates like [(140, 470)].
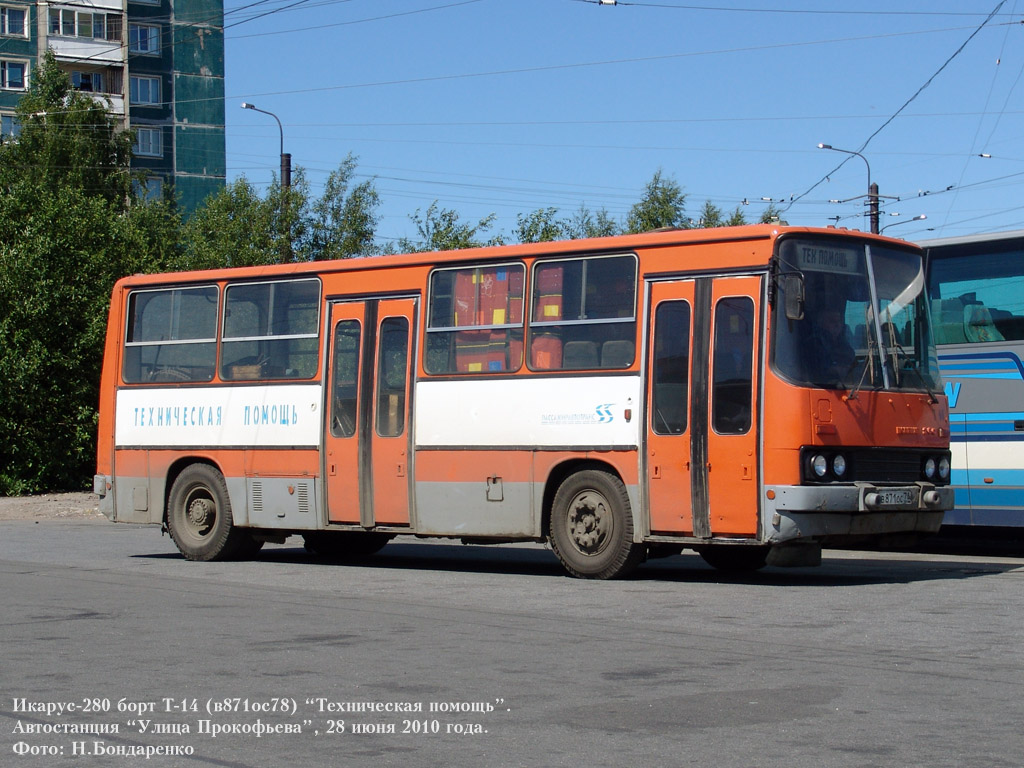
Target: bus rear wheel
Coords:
[(591, 526), (199, 515)]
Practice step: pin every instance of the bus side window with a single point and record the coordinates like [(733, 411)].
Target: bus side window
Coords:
[(583, 314), (732, 374), (344, 402), (671, 368), (392, 375)]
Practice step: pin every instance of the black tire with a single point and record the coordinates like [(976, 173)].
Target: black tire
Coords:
[(591, 527), (735, 558), (199, 515), (345, 545)]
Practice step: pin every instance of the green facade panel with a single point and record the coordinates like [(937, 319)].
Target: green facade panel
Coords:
[(199, 50), (192, 191), (200, 150), (198, 99), (200, 12)]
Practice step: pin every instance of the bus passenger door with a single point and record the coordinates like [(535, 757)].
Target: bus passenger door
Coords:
[(668, 396), (732, 416), (366, 443)]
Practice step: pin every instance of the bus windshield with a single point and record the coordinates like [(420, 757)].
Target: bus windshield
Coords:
[(864, 324)]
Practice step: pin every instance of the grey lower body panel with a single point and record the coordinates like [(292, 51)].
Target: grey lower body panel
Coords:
[(838, 514)]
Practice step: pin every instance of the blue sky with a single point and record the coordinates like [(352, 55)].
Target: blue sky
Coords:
[(507, 106)]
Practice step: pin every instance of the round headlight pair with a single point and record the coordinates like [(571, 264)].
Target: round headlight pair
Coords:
[(821, 465), (939, 467)]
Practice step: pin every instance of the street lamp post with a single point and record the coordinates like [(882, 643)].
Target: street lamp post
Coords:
[(872, 188), (286, 159), (919, 217), (286, 183)]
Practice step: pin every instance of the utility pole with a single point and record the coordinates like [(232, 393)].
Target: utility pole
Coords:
[(873, 195)]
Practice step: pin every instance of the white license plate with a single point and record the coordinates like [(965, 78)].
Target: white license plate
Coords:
[(895, 498)]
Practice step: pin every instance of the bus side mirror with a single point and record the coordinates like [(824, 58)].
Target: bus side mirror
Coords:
[(793, 290)]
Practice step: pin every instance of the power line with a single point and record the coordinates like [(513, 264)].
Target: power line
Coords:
[(904, 106)]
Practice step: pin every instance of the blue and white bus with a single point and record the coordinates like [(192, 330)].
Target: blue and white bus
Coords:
[(976, 284)]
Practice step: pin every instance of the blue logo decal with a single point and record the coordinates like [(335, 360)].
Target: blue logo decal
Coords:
[(952, 390)]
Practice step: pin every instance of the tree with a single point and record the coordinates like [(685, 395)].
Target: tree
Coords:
[(585, 224), (233, 228), (539, 226), (770, 215), (662, 205), (711, 216), (345, 220), (440, 229), (70, 225)]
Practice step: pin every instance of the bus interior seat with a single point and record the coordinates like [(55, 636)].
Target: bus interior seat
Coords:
[(545, 352), (617, 353), (579, 354)]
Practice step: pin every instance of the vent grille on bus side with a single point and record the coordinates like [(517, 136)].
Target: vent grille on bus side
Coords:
[(302, 494), (257, 497)]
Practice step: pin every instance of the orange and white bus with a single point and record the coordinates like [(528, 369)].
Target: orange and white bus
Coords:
[(752, 393)]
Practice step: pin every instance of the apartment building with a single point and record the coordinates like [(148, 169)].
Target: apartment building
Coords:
[(159, 64)]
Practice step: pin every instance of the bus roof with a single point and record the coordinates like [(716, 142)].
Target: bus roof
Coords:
[(617, 243), (986, 237)]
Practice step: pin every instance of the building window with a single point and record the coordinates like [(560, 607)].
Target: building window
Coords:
[(12, 22), (148, 142), (143, 38), (100, 26), (91, 82), (144, 90), (9, 127), (13, 75)]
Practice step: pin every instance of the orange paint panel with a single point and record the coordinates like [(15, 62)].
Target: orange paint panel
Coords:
[(473, 466)]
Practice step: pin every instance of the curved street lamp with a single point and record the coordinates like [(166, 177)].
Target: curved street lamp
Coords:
[(872, 188), (286, 159)]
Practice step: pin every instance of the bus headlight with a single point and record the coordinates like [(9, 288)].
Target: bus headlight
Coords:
[(839, 465), (929, 468), (820, 465), (944, 468)]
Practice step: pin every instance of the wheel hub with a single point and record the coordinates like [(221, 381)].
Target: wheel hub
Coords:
[(200, 511), (589, 523)]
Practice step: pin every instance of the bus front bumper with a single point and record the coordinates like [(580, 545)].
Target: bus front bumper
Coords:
[(837, 514)]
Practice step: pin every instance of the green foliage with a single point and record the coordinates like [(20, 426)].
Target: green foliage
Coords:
[(441, 229), (585, 224), (345, 219), (711, 216), (69, 227), (771, 215), (237, 227), (233, 228), (541, 225), (662, 205)]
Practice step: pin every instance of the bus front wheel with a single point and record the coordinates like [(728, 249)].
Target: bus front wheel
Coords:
[(199, 515), (591, 527)]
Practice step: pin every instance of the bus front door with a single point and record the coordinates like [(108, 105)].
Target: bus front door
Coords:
[(702, 422), (366, 443)]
